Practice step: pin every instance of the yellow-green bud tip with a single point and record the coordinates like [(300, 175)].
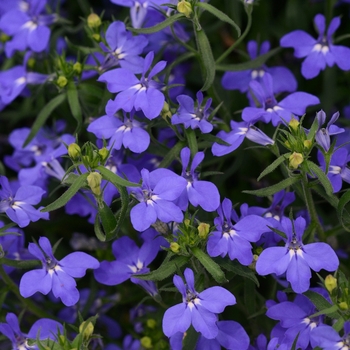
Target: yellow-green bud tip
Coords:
[(294, 124), (94, 181), (344, 305), (151, 323), (103, 152), (307, 144), (146, 342), (330, 283), (295, 160), (184, 7), (93, 20), (62, 81), (203, 230), (74, 150), (86, 330), (77, 67), (174, 247)]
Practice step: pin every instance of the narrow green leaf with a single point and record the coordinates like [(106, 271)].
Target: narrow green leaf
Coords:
[(338, 326), (330, 310), (321, 303), (172, 154), (150, 30), (219, 14), (74, 104), (211, 138), (190, 339), (238, 269), (274, 165), (294, 345), (256, 63), (43, 115), (343, 201), (6, 227), (66, 196), (165, 270), (206, 57), (114, 178), (192, 141), (322, 177), (269, 191), (20, 264), (109, 222), (210, 265)]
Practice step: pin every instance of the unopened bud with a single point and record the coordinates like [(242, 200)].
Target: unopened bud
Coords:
[(31, 62), (187, 222), (86, 330), (165, 111), (96, 37), (94, 181), (77, 67), (184, 7), (294, 124), (307, 144), (330, 283), (61, 81), (93, 20), (174, 247), (151, 323), (74, 150), (295, 160), (146, 342), (203, 230), (103, 152), (344, 305)]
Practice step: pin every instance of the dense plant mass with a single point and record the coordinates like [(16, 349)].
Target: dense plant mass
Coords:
[(174, 174)]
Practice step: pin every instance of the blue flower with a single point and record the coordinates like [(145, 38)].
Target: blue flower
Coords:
[(56, 275), (295, 258), (319, 52), (198, 309)]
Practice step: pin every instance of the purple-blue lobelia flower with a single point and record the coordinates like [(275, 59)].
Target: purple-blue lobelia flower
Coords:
[(197, 192), (323, 135), (128, 132), (327, 338), (124, 49), (191, 116), (240, 131), (28, 27), (296, 258), (283, 78), (156, 195), (271, 110), (319, 52), (234, 239), (142, 94), (198, 309), (56, 275), (45, 328), (338, 170), (130, 260), (19, 207)]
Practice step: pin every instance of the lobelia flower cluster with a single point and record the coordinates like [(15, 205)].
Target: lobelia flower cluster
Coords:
[(138, 143)]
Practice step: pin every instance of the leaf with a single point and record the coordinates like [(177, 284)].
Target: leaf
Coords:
[(212, 139), (210, 265), (219, 14), (238, 269), (274, 165), (252, 64), (165, 270), (74, 104), (343, 201), (206, 57), (43, 115), (321, 303), (150, 30), (6, 227), (269, 191), (321, 176), (172, 154), (190, 339), (330, 310), (66, 196), (108, 220), (114, 178), (20, 264)]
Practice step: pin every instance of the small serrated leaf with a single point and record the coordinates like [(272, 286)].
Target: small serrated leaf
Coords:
[(274, 165)]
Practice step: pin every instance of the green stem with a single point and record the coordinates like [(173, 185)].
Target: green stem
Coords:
[(27, 303), (249, 10), (310, 205)]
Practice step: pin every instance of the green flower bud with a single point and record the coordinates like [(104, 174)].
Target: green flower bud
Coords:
[(184, 7), (151, 323), (146, 342), (103, 152), (94, 181), (344, 305), (93, 20), (295, 160), (61, 81), (77, 67), (165, 111), (174, 247), (86, 330), (203, 230), (74, 151), (96, 37), (330, 283), (294, 124), (307, 144)]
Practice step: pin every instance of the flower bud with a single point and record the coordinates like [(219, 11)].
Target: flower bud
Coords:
[(31, 62), (203, 230), (74, 151), (295, 160), (344, 305), (294, 124), (174, 247), (184, 7), (307, 144), (61, 81), (94, 181), (187, 222), (165, 111), (86, 330), (151, 323), (93, 20), (330, 283), (77, 67), (103, 152), (146, 342), (96, 37)]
